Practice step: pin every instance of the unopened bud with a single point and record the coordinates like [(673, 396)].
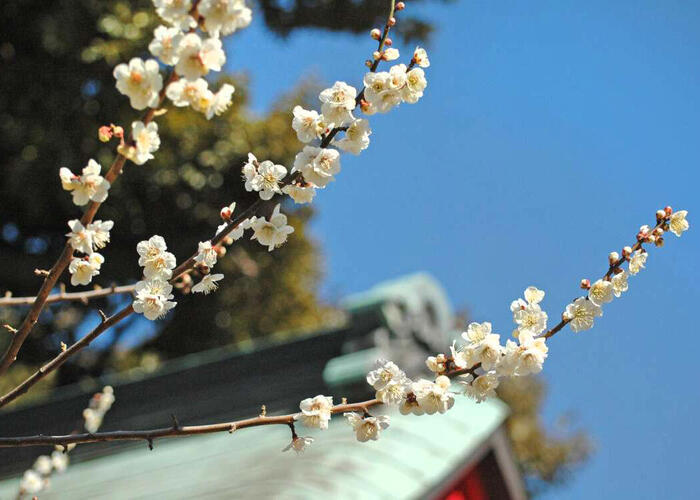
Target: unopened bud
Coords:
[(388, 42), (651, 238), (375, 33), (220, 250), (585, 284), (368, 63), (658, 232), (391, 21), (105, 133), (659, 242), (227, 240), (626, 251), (660, 215), (400, 6), (203, 269), (440, 358), (613, 257), (376, 55), (118, 131), (226, 213), (668, 210)]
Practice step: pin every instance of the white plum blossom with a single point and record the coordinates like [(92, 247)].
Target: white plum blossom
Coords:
[(267, 179), (356, 137), (601, 292), (581, 314), (510, 361), (415, 85), (155, 260), (197, 57), (620, 283), (481, 388), (337, 103), (43, 465), (317, 165), (459, 358), (434, 397), (637, 261), (484, 347), (220, 102), (315, 412), (527, 313), (533, 352), (420, 57), (307, 124), (366, 427), (300, 193), (146, 142), (153, 298), (678, 223), (389, 381), (100, 233), (140, 81), (176, 12), (79, 238), (223, 17), (436, 364), (391, 54), (379, 91), (207, 284), (90, 186), (299, 444), (83, 269), (31, 482), (59, 460), (206, 254), (165, 44), (272, 233), (190, 93)]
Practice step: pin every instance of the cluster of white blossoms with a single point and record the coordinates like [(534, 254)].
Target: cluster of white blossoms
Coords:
[(37, 478), (90, 186), (153, 294), (145, 142), (100, 404), (178, 44), (87, 240)]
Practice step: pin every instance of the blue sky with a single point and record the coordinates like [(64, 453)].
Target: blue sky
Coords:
[(549, 132)]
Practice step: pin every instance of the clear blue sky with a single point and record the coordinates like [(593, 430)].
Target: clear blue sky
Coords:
[(550, 131)]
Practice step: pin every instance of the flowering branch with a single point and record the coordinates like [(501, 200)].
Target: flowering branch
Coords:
[(42, 297)]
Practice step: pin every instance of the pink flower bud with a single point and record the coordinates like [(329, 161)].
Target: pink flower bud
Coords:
[(659, 242), (375, 33), (118, 131), (391, 21), (105, 133), (400, 6), (586, 284), (376, 55), (660, 215), (613, 258), (668, 210), (388, 42), (626, 251)]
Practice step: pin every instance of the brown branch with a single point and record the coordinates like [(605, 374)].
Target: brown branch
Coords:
[(382, 41), (64, 355), (172, 431), (614, 266), (64, 259), (83, 297)]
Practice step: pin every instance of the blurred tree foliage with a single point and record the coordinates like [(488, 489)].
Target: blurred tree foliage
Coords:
[(547, 456), (56, 89)]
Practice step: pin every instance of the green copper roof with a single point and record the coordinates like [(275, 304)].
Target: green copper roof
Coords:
[(410, 458)]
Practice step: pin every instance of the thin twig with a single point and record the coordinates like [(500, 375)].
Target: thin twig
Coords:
[(69, 297)]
